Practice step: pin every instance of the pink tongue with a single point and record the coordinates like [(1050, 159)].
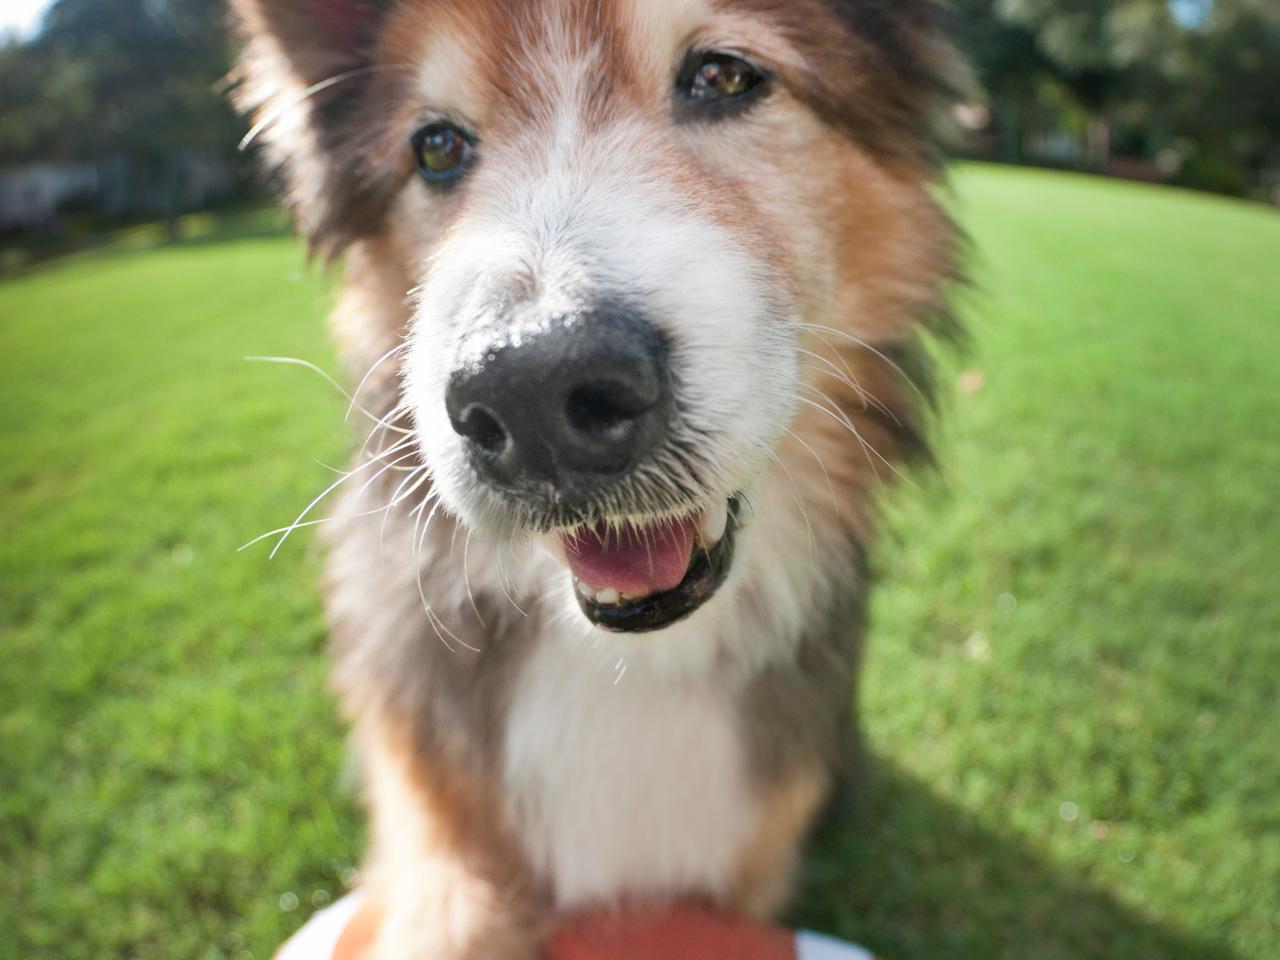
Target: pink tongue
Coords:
[(635, 563)]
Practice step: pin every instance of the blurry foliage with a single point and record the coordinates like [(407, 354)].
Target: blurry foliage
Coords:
[(1200, 77), (1232, 102), (1091, 44), (123, 79)]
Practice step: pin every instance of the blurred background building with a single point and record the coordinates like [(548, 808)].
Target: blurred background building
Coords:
[(113, 111)]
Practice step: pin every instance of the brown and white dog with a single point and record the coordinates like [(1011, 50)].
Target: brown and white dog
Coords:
[(631, 289)]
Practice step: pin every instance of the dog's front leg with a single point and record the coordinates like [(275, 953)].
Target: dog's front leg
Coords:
[(444, 880)]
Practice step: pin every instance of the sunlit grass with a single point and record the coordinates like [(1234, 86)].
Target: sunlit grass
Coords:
[(1070, 694)]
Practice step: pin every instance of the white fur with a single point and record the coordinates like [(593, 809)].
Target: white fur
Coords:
[(624, 780)]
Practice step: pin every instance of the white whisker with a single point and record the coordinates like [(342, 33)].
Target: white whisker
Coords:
[(795, 493), (859, 342), (355, 395), (835, 505), (308, 365)]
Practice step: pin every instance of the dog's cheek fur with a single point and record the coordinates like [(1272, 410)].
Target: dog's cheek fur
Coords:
[(861, 401)]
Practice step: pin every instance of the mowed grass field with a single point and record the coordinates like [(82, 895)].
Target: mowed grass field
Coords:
[(1072, 691)]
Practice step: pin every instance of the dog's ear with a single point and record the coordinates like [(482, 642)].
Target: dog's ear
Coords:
[(913, 76), (305, 69), (316, 39)]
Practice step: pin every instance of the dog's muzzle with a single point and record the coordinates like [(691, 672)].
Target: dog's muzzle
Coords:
[(561, 416)]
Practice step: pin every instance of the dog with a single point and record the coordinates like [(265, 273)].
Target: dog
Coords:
[(633, 295)]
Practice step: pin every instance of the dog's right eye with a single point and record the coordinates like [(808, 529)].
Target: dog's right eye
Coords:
[(443, 152), (713, 83)]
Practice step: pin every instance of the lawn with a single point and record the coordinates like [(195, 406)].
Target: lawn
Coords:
[(1072, 696)]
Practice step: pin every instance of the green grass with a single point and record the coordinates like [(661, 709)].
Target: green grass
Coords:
[(1071, 696)]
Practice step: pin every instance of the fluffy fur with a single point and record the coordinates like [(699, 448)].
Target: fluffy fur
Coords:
[(519, 761)]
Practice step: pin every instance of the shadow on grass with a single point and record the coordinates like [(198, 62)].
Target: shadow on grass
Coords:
[(909, 875)]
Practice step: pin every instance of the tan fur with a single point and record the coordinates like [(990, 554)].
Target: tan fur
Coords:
[(764, 876), (473, 888)]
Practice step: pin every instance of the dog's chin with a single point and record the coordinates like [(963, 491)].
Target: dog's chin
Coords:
[(640, 575)]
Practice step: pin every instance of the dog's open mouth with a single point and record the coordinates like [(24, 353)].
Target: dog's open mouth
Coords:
[(640, 579)]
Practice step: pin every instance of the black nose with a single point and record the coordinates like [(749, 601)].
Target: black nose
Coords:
[(568, 402)]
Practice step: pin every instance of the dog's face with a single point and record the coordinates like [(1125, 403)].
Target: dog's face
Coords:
[(629, 227)]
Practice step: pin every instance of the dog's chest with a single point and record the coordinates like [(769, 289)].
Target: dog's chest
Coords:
[(625, 784)]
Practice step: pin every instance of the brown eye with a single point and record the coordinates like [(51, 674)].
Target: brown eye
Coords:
[(720, 81), (443, 152)]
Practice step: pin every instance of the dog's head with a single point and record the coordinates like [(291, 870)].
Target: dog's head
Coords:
[(658, 254)]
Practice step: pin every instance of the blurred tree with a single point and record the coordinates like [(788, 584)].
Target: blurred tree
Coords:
[(1195, 82), (42, 99), (1102, 50), (1230, 109), (1008, 63), (126, 79)]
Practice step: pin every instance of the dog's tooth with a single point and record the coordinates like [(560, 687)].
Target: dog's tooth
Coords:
[(582, 589), (712, 525), (608, 596)]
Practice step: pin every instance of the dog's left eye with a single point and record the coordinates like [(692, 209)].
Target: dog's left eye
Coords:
[(443, 152), (720, 81)]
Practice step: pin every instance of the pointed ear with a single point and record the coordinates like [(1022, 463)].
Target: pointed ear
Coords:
[(305, 69)]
